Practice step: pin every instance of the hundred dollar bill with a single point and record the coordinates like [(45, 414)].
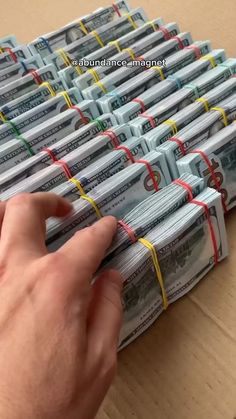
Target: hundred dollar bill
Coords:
[(93, 42), (164, 131), (32, 99), (133, 68), (11, 56), (26, 84), (48, 43), (185, 252), (197, 131), (95, 173), (139, 48), (215, 163), (39, 114), (20, 69), (68, 74), (140, 83), (153, 210), (115, 196), (24, 166), (8, 42), (153, 95)]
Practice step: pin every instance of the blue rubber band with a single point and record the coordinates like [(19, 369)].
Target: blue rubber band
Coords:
[(176, 79), (45, 41), (115, 95), (194, 88)]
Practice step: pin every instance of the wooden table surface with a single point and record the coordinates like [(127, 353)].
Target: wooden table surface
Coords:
[(184, 366)]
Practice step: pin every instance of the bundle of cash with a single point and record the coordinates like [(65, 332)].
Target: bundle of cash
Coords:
[(133, 52), (153, 210), (39, 114), (50, 42), (174, 82), (8, 42), (96, 39), (69, 73), (157, 55), (11, 56), (59, 172), (20, 69), (27, 83), (23, 166), (175, 103), (179, 120), (115, 196), (199, 130), (214, 160), (186, 245)]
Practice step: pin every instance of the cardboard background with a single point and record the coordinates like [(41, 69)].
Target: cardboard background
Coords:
[(184, 366)]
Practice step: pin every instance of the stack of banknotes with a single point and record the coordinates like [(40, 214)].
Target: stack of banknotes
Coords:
[(129, 117)]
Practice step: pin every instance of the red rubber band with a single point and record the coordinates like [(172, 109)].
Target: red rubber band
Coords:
[(213, 237), (65, 168), (128, 152), (113, 137), (150, 119), (180, 42), (128, 230), (165, 32), (84, 119), (196, 49), (140, 102), (186, 186), (12, 54), (36, 76), (180, 144), (150, 171), (50, 153), (116, 9), (211, 170)]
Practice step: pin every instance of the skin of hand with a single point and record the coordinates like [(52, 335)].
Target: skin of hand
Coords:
[(58, 333)]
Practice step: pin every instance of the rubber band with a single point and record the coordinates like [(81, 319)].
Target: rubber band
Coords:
[(22, 63), (94, 205), (196, 49), (94, 74), (66, 97), (102, 87), (176, 79), (36, 77), (150, 171), (26, 144), (180, 144), (99, 40), (78, 70), (166, 33), (1, 50), (116, 96), (78, 185), (150, 119), (65, 58), (50, 153), (211, 170), (223, 113), (180, 42), (172, 124), (212, 232), (14, 128), (84, 119), (116, 43), (152, 24), (156, 264), (100, 124), (141, 103), (130, 52), (83, 27), (193, 87), (2, 117), (46, 42), (131, 20), (65, 168), (127, 151), (113, 137), (12, 54), (160, 71), (186, 186), (205, 103), (115, 7), (49, 87), (128, 230), (209, 57)]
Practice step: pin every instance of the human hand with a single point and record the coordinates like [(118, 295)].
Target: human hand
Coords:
[(58, 333)]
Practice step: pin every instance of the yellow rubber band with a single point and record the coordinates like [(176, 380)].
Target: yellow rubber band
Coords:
[(94, 74), (151, 23), (160, 71), (131, 20), (95, 34), (83, 27), (67, 98), (116, 43), (209, 57), (93, 203), (223, 113), (130, 52), (1, 50), (102, 87), (205, 103), (79, 70), (172, 124), (49, 87), (156, 264), (78, 185), (2, 117), (64, 57)]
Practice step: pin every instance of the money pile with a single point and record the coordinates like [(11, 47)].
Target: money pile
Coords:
[(132, 118)]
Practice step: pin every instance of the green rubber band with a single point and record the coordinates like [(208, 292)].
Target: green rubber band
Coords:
[(101, 124), (194, 88), (27, 146), (13, 126)]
